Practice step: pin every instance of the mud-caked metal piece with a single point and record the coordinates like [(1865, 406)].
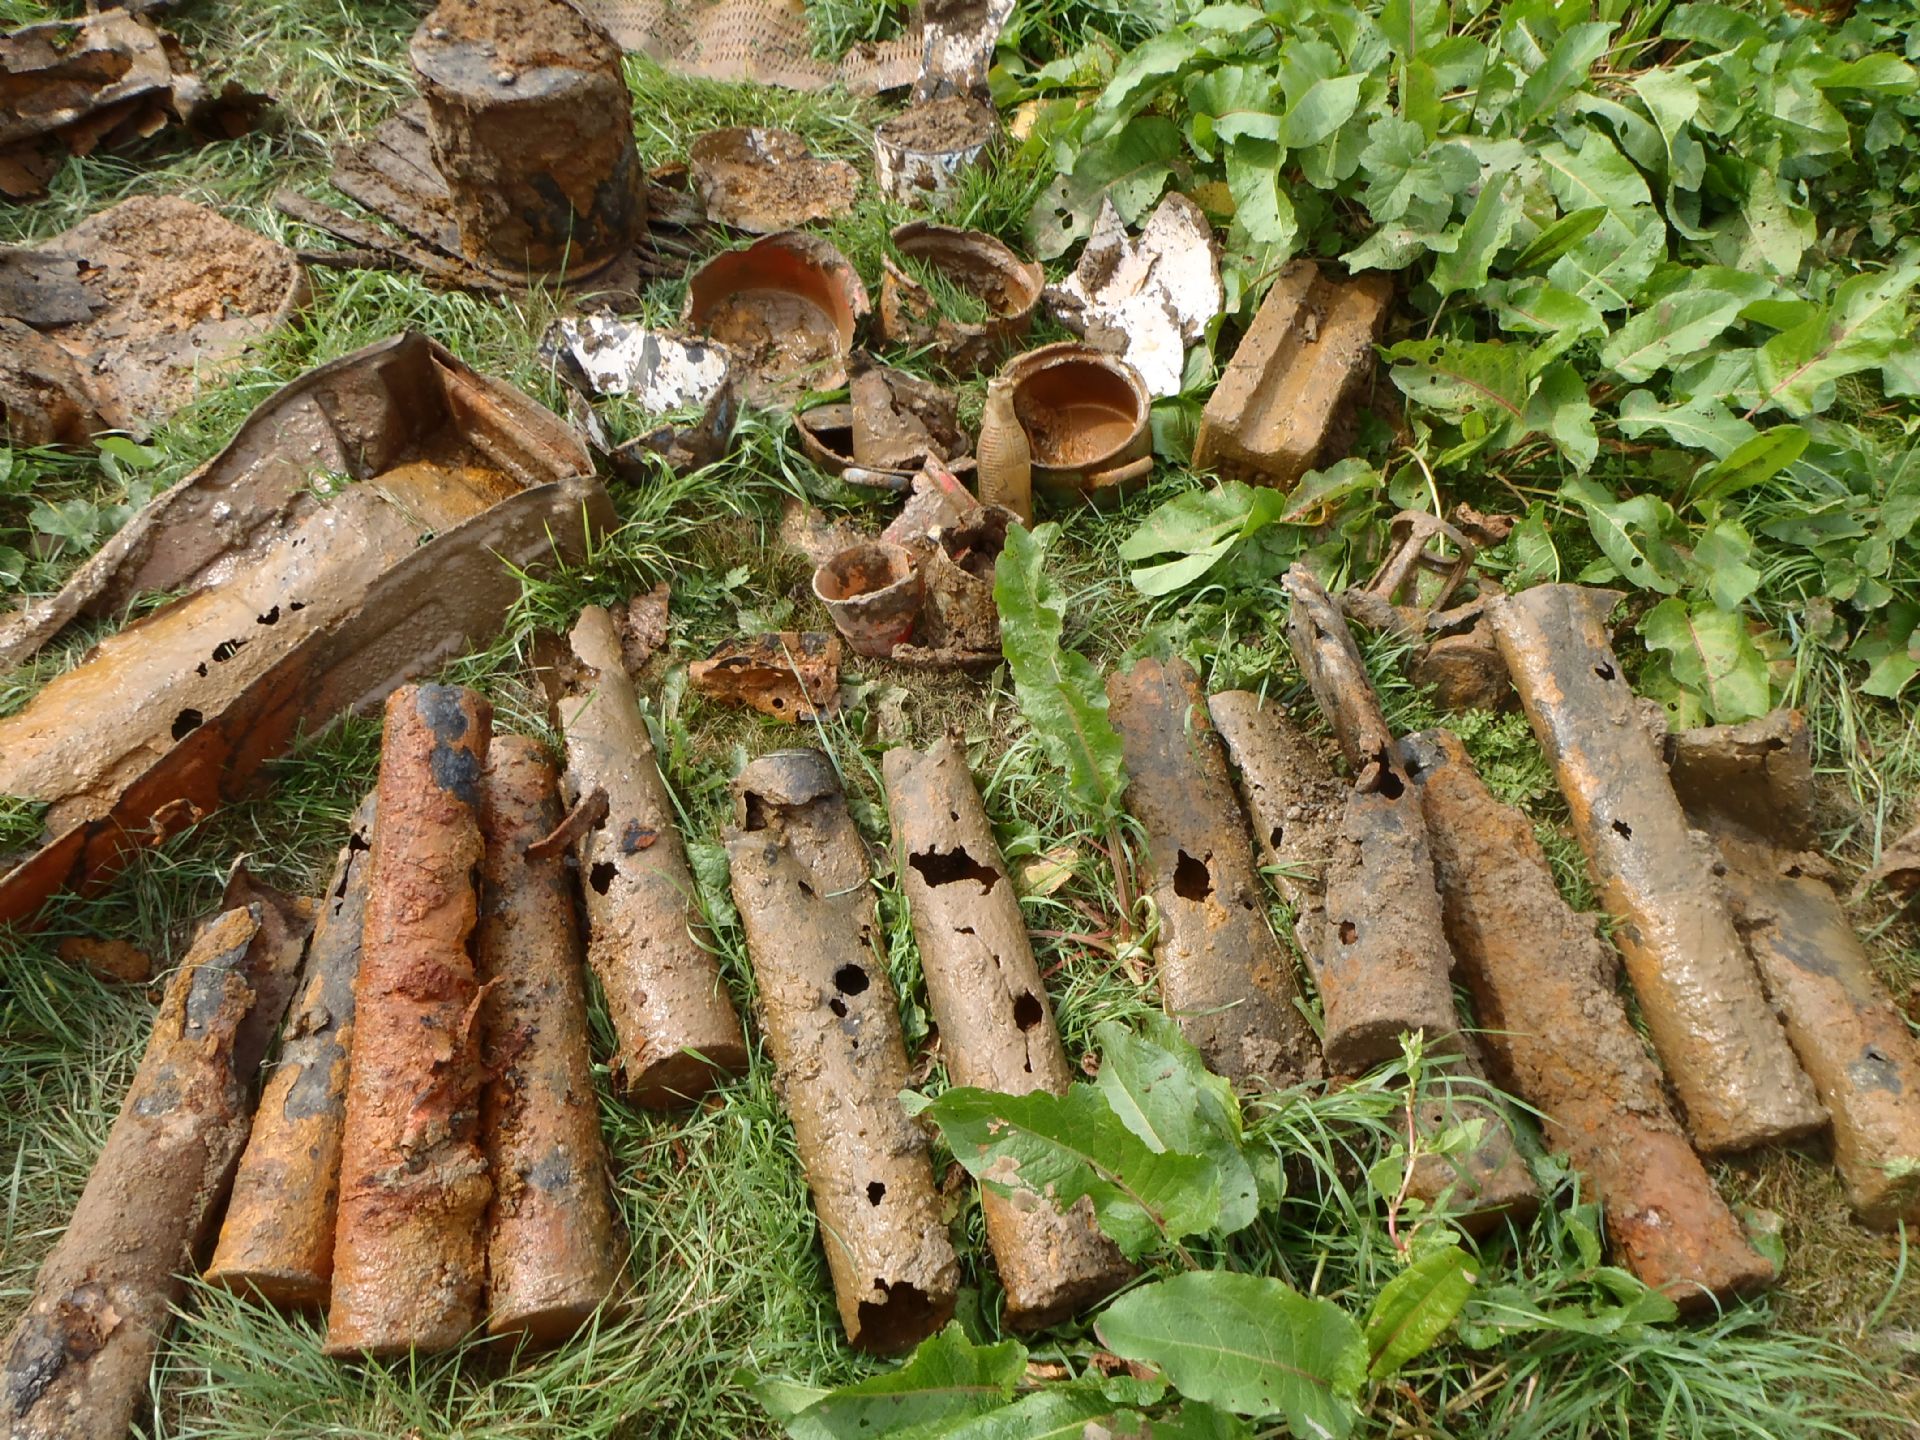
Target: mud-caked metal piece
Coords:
[(975, 262), (1486, 1181), (1722, 1046), (674, 1023), (789, 307), (530, 119), (1558, 1036), (1324, 646), (996, 1024), (873, 593), (1310, 348), (832, 1023), (1223, 976), (409, 1254), (790, 675), (1086, 415), (1751, 788), (553, 1241), (277, 1239), (78, 1362), (922, 153), (762, 180)]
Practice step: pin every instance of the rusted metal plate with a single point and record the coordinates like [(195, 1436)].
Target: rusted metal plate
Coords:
[(363, 527), (1722, 1045), (790, 675), (761, 180)]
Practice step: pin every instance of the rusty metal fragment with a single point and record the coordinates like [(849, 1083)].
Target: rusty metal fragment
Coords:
[(1722, 1046), (1086, 416), (1309, 349), (761, 180), (959, 621), (45, 398), (788, 306), (921, 154), (974, 261), (763, 41), (1222, 974), (1489, 1181), (996, 1026), (900, 421), (1544, 988), (78, 1361), (832, 1025), (553, 1241), (695, 382), (1899, 865), (1751, 788), (1145, 298), (303, 589), (108, 959), (675, 1024), (1323, 646), (409, 1257), (790, 675), (277, 1239)]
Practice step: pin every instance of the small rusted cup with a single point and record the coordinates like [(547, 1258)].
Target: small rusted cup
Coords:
[(1085, 413), (873, 592)]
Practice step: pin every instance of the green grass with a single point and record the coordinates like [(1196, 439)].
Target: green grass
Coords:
[(728, 1279)]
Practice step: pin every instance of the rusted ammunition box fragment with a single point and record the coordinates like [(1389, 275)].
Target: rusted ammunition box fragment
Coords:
[(1558, 1036), (1222, 974), (996, 1026), (675, 1023), (1751, 787), (77, 1363), (833, 1027), (1722, 1046), (277, 1239), (553, 1253), (409, 1254)]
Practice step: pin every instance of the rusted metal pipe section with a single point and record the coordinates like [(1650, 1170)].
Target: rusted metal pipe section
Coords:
[(675, 1024), (78, 1361), (1751, 788), (996, 1025), (553, 1251), (1722, 1046), (1559, 1037), (277, 1239), (409, 1254), (833, 1027), (1223, 977)]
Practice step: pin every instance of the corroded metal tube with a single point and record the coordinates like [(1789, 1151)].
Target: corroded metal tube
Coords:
[(674, 1021), (833, 1027), (409, 1255), (277, 1239), (1751, 787), (1722, 1047), (553, 1251), (996, 1025), (1223, 977), (1560, 1038)]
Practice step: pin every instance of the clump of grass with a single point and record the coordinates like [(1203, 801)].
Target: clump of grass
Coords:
[(951, 299)]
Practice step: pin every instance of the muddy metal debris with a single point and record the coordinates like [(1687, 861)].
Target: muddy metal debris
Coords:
[(762, 180), (1308, 351), (1411, 595), (789, 306), (959, 622), (801, 882), (996, 1026), (660, 372), (872, 592), (1722, 1046), (277, 1238), (975, 262), (674, 1021), (790, 675), (108, 959), (1086, 416), (1751, 788), (890, 429), (409, 1258), (303, 588), (553, 1240), (922, 153), (1222, 975), (1544, 989), (80, 1357)]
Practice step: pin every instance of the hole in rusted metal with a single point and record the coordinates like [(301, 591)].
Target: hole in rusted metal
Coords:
[(850, 980), (1349, 932), (1604, 670), (951, 867), (186, 722), (601, 875), (1623, 830), (876, 1192), (1190, 878), (1027, 1011)]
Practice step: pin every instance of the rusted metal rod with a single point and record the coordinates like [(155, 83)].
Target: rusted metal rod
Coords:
[(1722, 1046), (1559, 1037), (996, 1025), (409, 1255), (553, 1251), (833, 1027)]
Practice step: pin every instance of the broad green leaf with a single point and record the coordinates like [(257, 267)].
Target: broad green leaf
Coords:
[(1754, 463), (1560, 410), (1325, 107), (1635, 534), (1203, 527), (1130, 167), (1146, 70), (1059, 690), (1680, 324), (1066, 1146), (1722, 553), (1536, 308), (1558, 238), (1699, 424), (1057, 1412), (945, 1381), (1879, 73), (1673, 99), (1485, 231), (1711, 654), (1260, 204), (1612, 263), (1318, 493), (1459, 378), (1402, 167), (1531, 551), (1565, 70), (1900, 373), (1867, 320), (1414, 1309), (1240, 100), (1247, 1343), (1768, 234)]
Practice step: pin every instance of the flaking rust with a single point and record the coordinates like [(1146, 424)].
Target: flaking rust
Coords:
[(832, 1023), (277, 1239), (1559, 1037), (673, 1019), (553, 1241), (996, 1025), (409, 1257), (1751, 788), (1722, 1046), (78, 1361), (1223, 976)]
